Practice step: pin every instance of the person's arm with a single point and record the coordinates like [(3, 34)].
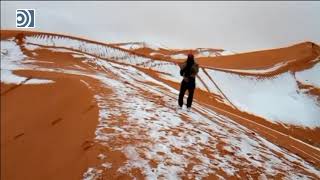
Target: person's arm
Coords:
[(195, 70), (182, 67)]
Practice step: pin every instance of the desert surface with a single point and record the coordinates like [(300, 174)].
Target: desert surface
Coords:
[(74, 108)]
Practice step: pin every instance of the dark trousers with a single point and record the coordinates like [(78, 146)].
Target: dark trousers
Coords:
[(190, 86)]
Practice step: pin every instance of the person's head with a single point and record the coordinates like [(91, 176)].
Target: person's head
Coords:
[(190, 59)]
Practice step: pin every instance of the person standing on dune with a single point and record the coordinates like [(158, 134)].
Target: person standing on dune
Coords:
[(189, 70)]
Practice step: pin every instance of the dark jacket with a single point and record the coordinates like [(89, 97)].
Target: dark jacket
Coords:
[(191, 76)]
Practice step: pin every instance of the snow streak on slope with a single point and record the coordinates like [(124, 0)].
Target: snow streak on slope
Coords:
[(102, 51), (147, 128), (278, 98)]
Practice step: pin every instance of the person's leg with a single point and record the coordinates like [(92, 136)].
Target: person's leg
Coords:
[(190, 97), (183, 89)]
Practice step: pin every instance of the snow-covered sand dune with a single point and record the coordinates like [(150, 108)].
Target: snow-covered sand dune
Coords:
[(140, 119)]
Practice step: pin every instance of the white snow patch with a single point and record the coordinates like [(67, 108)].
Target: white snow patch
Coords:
[(8, 77), (11, 55), (272, 98), (226, 52), (212, 88), (102, 156), (31, 47), (155, 54), (310, 76), (84, 82), (170, 78), (35, 61), (76, 55), (106, 165), (200, 85), (12, 59), (179, 56), (204, 52), (139, 45), (39, 81), (92, 174)]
